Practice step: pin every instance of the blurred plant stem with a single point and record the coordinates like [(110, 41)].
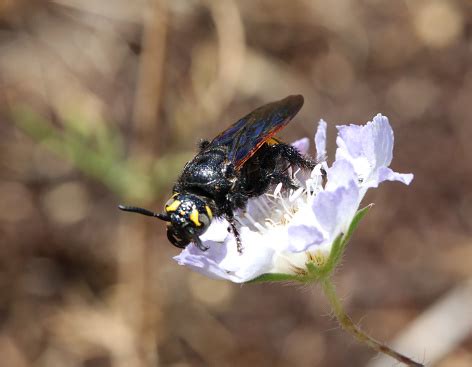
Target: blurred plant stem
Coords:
[(140, 276), (348, 325), (321, 270), (147, 100)]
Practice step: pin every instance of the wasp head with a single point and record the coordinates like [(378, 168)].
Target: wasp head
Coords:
[(189, 217)]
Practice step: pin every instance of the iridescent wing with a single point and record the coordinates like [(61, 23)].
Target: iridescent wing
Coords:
[(247, 135)]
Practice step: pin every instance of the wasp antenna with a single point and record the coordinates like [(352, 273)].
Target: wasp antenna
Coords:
[(136, 209), (164, 217)]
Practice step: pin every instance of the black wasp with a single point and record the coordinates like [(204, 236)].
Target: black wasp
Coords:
[(241, 162)]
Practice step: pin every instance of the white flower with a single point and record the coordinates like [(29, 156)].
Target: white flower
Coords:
[(282, 231)]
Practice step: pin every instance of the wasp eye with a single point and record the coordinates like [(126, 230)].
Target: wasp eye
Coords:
[(175, 238)]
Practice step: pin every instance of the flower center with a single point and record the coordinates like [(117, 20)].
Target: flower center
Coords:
[(277, 208)]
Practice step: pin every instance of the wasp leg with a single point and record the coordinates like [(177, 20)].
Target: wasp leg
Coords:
[(282, 177), (230, 218), (236, 236), (198, 242), (293, 156), (236, 200)]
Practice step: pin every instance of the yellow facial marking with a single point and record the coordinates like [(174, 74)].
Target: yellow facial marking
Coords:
[(208, 210), (172, 207), (194, 217)]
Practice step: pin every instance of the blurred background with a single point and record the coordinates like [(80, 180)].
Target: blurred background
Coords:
[(102, 102)]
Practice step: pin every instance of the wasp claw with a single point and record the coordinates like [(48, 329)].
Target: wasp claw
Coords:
[(200, 245)]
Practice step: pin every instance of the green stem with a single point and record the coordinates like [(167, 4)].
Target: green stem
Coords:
[(347, 324)]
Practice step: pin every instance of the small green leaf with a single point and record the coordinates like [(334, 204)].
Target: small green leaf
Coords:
[(337, 250), (340, 243), (355, 222)]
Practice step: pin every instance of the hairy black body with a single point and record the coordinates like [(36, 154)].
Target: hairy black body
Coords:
[(242, 162)]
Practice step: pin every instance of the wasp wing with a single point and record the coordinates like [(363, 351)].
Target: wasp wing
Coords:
[(248, 134)]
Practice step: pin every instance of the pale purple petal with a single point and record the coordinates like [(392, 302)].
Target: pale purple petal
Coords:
[(302, 145), (256, 259), (386, 174), (206, 263), (217, 232), (349, 141), (334, 210), (377, 141), (320, 141), (303, 236), (369, 149), (331, 214), (350, 148), (340, 174), (223, 261)]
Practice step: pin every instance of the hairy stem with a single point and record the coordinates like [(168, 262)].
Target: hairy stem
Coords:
[(347, 324)]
